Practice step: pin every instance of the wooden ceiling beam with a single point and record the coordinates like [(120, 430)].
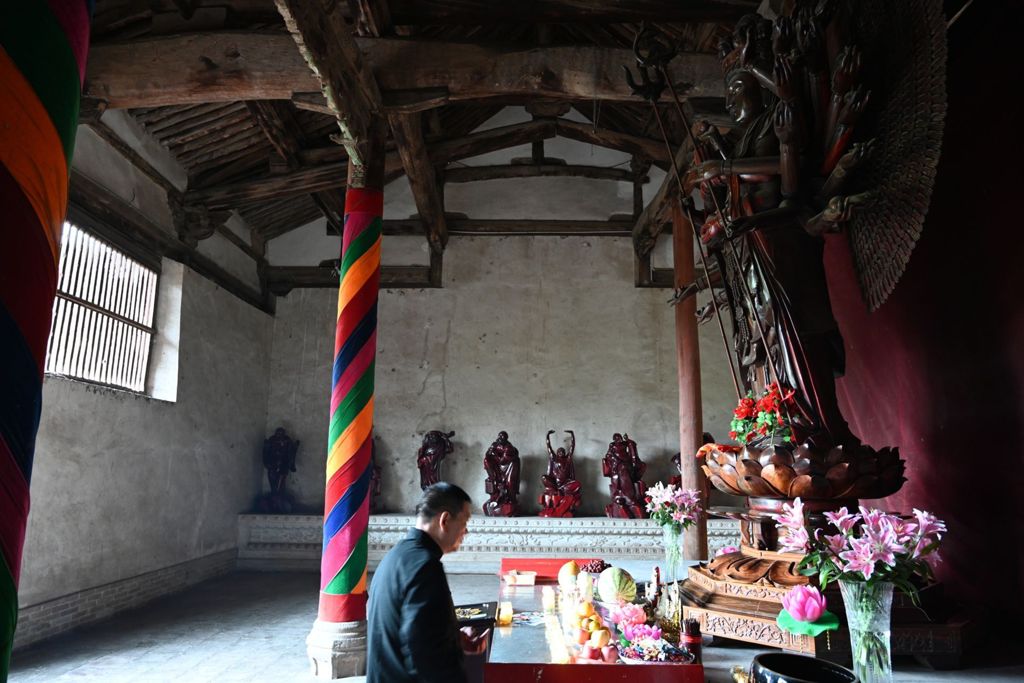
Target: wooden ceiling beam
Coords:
[(646, 148), (233, 66), (419, 169), (484, 12), (473, 227), (470, 174), (333, 175), (326, 43), (652, 221), (283, 279), (278, 123)]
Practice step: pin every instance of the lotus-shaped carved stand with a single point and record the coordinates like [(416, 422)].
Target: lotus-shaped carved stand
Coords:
[(841, 473)]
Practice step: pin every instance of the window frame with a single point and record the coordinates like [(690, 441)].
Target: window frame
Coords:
[(104, 318)]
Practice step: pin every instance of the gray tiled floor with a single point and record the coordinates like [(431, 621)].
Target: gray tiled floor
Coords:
[(252, 626)]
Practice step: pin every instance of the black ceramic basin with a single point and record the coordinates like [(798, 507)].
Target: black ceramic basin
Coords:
[(781, 667)]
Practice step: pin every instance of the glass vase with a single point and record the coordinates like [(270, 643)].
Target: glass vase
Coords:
[(868, 607), (671, 537)]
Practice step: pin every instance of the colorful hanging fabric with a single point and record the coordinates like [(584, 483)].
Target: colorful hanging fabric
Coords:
[(347, 507), (43, 46)]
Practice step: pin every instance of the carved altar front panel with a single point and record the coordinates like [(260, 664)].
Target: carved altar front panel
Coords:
[(294, 541)]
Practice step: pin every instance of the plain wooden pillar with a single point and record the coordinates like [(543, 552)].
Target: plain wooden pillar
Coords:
[(691, 423)]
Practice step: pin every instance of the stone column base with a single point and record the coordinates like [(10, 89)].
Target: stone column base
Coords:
[(337, 650)]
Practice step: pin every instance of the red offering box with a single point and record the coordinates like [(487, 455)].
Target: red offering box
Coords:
[(546, 567)]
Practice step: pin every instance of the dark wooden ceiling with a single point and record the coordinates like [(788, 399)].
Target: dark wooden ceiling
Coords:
[(274, 160)]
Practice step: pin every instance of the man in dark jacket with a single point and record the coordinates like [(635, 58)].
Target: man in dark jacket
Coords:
[(412, 633)]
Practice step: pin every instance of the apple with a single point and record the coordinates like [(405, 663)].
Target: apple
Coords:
[(585, 609), (583, 636), (600, 638), (610, 654), (587, 652)]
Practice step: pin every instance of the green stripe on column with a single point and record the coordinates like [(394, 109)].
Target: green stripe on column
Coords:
[(45, 59), (352, 572), (359, 246), (8, 618), (352, 404)]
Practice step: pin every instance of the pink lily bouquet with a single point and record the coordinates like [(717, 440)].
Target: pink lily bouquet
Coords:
[(871, 553), (870, 547), (673, 506)]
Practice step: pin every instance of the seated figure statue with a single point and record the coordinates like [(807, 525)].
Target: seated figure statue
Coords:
[(562, 492), (436, 445), (501, 463), (625, 469)]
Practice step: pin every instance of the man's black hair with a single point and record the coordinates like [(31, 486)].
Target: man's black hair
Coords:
[(441, 497)]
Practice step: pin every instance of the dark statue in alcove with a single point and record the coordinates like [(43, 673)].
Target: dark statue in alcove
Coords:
[(562, 491), (374, 479), (501, 463), (436, 445), (625, 469), (279, 459)]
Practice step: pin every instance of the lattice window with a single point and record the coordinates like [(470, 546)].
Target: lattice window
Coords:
[(103, 315)]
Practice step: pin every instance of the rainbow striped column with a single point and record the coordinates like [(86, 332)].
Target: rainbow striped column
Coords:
[(347, 504), (43, 45)]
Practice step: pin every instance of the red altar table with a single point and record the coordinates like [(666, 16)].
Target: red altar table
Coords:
[(533, 648)]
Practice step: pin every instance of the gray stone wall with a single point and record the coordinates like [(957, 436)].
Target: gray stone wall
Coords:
[(528, 334), (124, 485)]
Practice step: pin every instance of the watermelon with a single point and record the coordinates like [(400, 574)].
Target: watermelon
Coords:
[(616, 585)]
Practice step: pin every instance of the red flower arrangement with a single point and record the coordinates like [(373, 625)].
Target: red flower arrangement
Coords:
[(766, 416)]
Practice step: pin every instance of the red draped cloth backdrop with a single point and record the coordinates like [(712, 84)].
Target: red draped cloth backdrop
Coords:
[(939, 369)]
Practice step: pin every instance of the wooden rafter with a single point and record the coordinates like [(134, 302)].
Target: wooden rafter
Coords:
[(478, 12), (652, 221), (328, 47), (332, 175), (419, 169), (647, 148), (513, 227), (232, 66), (278, 123), (469, 174)]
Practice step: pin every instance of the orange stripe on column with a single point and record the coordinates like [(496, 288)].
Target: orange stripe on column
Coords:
[(32, 151)]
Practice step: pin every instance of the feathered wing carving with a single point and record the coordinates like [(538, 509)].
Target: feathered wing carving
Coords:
[(904, 44)]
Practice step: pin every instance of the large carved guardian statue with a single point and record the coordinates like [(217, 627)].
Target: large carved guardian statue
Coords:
[(562, 491), (625, 469), (501, 463), (436, 445)]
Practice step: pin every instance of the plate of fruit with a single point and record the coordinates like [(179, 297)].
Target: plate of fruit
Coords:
[(650, 651)]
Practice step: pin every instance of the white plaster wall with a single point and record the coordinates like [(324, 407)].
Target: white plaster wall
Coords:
[(126, 127), (95, 158), (310, 244), (231, 258), (125, 484), (101, 162), (528, 334)]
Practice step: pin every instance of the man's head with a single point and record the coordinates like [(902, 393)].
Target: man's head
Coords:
[(502, 436), (443, 513)]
